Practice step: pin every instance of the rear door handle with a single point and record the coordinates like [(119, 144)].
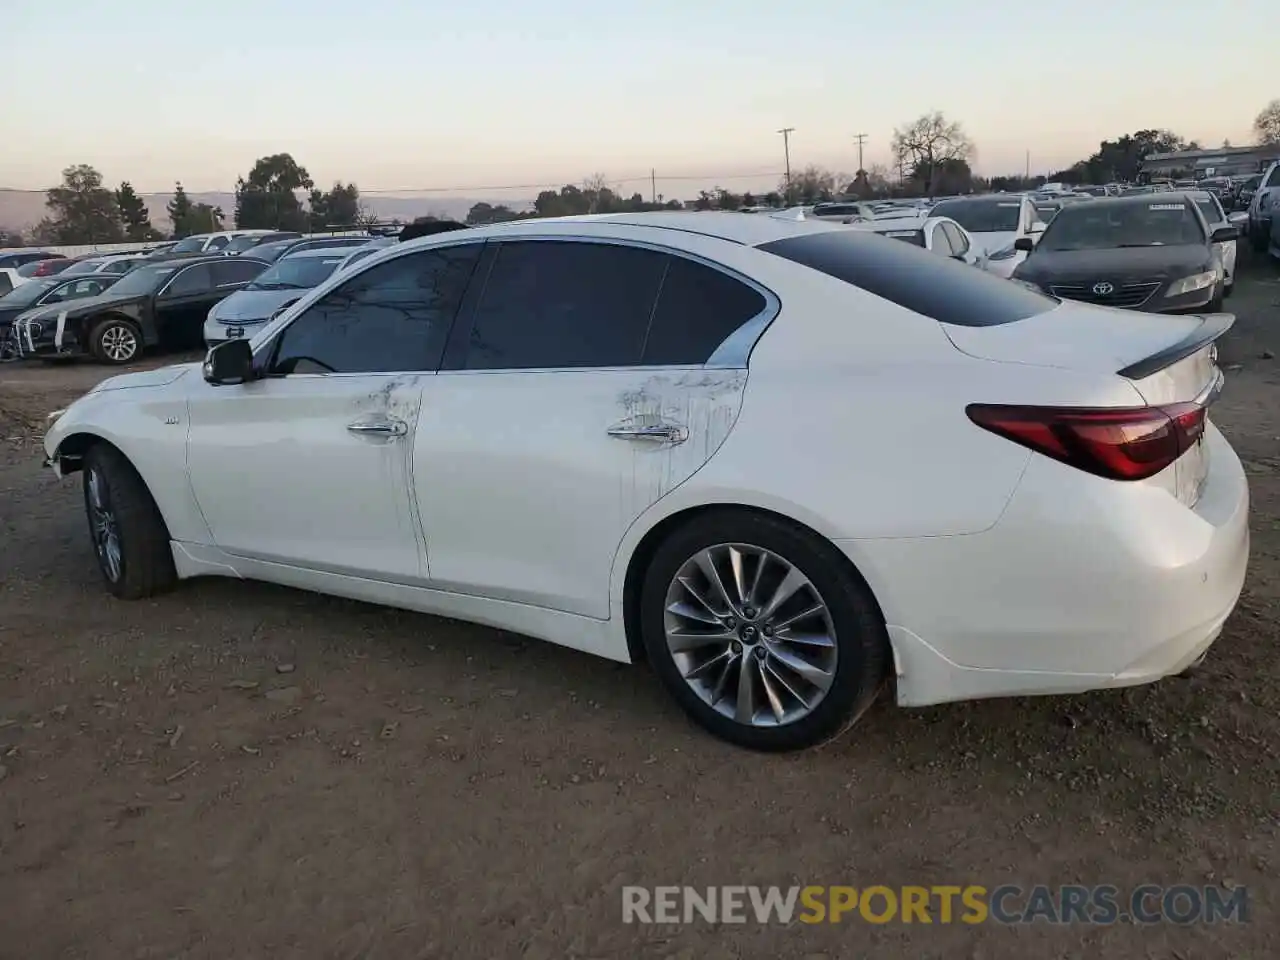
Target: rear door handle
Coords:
[(653, 433), (387, 427)]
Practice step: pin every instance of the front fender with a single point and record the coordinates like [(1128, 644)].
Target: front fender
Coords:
[(151, 432)]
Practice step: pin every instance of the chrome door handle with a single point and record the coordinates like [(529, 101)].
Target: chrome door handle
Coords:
[(656, 433), (388, 427)]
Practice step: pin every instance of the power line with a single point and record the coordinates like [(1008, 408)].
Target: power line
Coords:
[(649, 178)]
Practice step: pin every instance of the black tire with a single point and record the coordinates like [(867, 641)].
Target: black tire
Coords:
[(1229, 289), (109, 340), (861, 641), (1215, 305), (1258, 239), (145, 558)]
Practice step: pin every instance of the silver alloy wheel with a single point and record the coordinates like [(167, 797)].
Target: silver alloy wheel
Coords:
[(750, 634), (105, 529), (119, 343)]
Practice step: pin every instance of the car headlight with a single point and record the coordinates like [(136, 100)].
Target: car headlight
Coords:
[(1197, 281)]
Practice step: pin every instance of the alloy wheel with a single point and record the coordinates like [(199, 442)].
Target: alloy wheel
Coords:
[(104, 527), (119, 343), (750, 634)]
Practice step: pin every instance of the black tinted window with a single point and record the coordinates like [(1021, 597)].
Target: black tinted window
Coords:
[(234, 270), (194, 279), (394, 317), (553, 303), (217, 243), (947, 291), (698, 308)]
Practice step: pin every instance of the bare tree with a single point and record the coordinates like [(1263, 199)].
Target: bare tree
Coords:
[(1266, 126), (929, 143), (594, 187)]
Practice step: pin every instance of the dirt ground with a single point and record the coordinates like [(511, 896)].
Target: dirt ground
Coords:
[(243, 771)]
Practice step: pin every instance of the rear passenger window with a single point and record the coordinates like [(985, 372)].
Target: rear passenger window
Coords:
[(698, 309), (559, 303), (233, 271)]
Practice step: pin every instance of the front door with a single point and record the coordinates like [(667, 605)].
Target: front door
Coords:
[(574, 396), (182, 304), (311, 465)]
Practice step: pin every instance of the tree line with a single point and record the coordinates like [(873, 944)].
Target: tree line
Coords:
[(82, 210), (932, 153)]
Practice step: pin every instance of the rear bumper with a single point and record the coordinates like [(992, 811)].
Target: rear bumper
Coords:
[(1083, 584)]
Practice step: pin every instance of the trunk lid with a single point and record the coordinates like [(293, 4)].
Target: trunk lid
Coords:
[(1168, 359)]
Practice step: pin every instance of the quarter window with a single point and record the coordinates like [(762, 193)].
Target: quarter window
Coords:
[(217, 243), (392, 318), (698, 309), (959, 245)]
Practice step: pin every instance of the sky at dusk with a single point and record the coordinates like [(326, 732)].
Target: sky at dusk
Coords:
[(407, 95)]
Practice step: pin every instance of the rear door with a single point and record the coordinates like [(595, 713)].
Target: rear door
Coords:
[(581, 384)]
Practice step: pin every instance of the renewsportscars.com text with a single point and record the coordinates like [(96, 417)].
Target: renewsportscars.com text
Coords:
[(942, 904)]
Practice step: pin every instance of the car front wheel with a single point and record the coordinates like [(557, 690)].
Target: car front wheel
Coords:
[(761, 631), (115, 341), (129, 536)]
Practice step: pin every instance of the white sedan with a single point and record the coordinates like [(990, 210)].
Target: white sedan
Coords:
[(783, 462), (996, 222), (940, 235)]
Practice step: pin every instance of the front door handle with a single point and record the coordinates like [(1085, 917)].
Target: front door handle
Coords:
[(387, 427), (652, 433)]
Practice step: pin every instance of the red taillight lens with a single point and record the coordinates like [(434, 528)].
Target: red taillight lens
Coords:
[(1130, 443)]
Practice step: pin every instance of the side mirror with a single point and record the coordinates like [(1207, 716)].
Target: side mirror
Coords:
[(1238, 219), (1025, 244), (963, 258), (1224, 234), (229, 362)]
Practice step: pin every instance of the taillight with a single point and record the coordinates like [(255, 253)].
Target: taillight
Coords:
[(1126, 443)]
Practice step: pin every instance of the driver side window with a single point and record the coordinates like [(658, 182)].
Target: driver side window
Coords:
[(392, 318), (194, 279)]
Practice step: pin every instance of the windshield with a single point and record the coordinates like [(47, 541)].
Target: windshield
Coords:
[(1098, 226), (29, 292), (241, 244), (144, 279), (296, 273), (982, 216), (270, 252), (189, 245)]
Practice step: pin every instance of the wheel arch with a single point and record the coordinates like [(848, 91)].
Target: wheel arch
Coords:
[(75, 446), (648, 544), (98, 319)]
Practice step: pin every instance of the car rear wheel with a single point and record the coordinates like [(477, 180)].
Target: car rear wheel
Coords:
[(761, 631), (129, 536), (115, 341)]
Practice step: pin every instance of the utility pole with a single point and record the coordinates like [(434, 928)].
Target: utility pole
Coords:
[(786, 153), (653, 186), (861, 138), (1027, 175)]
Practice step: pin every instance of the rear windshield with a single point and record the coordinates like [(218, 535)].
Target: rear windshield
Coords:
[(1107, 226), (982, 216), (937, 287)]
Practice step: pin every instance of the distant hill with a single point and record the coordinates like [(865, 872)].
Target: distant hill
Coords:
[(22, 210)]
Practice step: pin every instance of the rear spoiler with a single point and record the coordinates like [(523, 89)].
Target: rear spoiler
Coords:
[(1212, 326)]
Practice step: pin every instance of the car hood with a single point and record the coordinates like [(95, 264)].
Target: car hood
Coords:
[(159, 377), (1125, 263), (246, 306), (83, 307)]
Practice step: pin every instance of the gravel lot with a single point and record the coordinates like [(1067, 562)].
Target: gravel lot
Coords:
[(238, 770)]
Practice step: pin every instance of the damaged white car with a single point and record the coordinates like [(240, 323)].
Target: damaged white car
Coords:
[(783, 462)]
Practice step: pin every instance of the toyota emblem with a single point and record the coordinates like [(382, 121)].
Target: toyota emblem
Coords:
[(1103, 289)]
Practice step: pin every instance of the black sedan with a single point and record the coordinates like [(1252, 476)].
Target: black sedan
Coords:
[(44, 291), (161, 304), (1154, 253)]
